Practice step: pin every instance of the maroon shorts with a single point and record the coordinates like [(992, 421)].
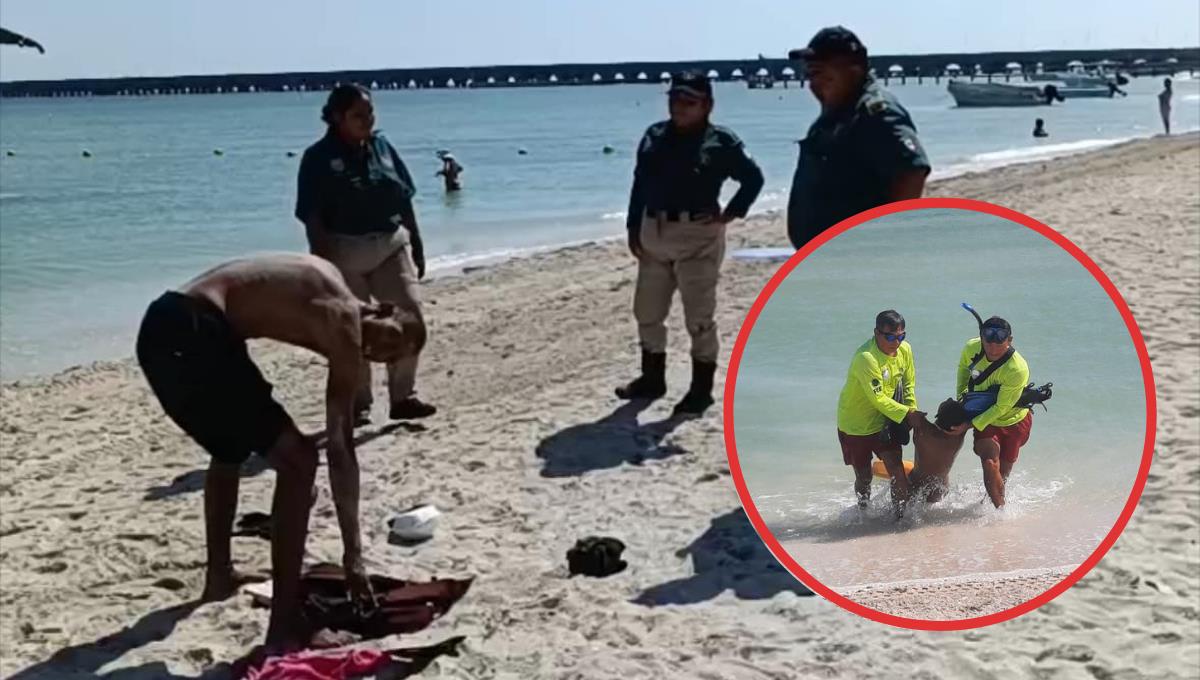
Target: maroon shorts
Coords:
[(1010, 438), (857, 448)]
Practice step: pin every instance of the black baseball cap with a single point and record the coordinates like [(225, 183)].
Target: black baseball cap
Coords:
[(692, 83), (834, 41)]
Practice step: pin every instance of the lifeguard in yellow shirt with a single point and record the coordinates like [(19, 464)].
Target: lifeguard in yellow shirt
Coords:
[(992, 377), (866, 405)]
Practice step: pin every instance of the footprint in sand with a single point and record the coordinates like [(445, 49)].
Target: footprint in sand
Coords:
[(1072, 652)]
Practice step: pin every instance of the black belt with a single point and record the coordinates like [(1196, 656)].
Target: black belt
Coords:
[(676, 215)]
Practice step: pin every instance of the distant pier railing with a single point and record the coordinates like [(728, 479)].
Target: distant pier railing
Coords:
[(757, 72)]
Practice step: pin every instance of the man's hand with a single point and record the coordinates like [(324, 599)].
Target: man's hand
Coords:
[(635, 244), (915, 418), (358, 585), (418, 255), (959, 429)]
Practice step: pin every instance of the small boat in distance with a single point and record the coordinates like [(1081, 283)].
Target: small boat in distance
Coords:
[(1003, 94)]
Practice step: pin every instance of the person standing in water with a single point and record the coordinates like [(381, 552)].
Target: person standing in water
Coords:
[(355, 200), (1039, 128), (990, 363), (450, 171), (677, 233), (865, 406), (1164, 105)]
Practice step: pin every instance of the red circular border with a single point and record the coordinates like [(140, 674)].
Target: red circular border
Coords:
[(740, 482)]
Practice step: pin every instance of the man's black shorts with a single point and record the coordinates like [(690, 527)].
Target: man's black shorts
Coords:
[(202, 374)]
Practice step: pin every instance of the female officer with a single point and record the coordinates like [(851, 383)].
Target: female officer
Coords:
[(355, 200)]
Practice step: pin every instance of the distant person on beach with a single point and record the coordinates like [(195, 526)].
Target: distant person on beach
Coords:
[(866, 406), (450, 171), (1039, 128), (355, 200), (192, 349), (677, 233), (1164, 105), (861, 152), (991, 364)]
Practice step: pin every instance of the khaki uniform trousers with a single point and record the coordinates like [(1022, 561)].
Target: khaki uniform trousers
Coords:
[(684, 255), (379, 265)]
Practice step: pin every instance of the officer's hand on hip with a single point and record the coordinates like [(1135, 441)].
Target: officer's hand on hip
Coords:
[(418, 256), (635, 244)]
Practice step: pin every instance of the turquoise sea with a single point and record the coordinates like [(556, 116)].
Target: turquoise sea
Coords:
[(85, 243), (1071, 479)]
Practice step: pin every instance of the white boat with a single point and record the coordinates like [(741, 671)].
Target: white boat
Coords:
[(1003, 94), (1071, 79), (1077, 85)]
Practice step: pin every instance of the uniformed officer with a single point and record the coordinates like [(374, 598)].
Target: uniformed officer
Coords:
[(677, 233), (354, 196), (862, 152)]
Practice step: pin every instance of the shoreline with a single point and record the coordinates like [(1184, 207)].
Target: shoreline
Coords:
[(957, 597), (101, 507), (464, 265)]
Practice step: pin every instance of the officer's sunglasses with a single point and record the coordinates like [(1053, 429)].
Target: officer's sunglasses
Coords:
[(892, 337), (994, 334)]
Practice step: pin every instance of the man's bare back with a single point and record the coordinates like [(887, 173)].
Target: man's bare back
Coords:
[(192, 349), (294, 298), (936, 450)]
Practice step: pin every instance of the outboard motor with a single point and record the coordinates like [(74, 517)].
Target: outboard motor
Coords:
[(1052, 94)]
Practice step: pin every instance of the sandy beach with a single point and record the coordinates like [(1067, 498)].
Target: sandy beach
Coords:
[(960, 597), (101, 533)]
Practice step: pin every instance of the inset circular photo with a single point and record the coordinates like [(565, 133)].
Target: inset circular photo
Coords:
[(939, 415)]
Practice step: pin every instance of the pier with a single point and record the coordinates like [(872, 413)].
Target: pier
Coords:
[(762, 72)]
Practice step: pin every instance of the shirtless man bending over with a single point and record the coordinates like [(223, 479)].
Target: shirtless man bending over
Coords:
[(192, 348)]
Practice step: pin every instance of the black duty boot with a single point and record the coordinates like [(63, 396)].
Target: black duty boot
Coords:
[(652, 383), (699, 396)]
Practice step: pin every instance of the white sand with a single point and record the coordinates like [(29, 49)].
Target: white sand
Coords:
[(957, 597), (523, 358)]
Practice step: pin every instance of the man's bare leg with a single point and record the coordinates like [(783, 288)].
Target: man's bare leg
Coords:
[(1006, 467), (895, 467), (862, 484), (220, 505), (989, 455), (295, 461)]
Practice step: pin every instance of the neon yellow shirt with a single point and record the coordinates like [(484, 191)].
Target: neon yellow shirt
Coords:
[(866, 401), (1012, 378)]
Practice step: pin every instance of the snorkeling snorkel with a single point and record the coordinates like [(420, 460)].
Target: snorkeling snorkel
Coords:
[(975, 314)]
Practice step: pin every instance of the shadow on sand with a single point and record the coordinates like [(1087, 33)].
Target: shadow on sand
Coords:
[(728, 556), (607, 443)]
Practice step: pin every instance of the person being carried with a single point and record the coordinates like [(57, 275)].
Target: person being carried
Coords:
[(192, 349), (990, 370), (935, 449), (865, 406)]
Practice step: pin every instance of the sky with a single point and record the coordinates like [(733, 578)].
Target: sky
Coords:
[(174, 37)]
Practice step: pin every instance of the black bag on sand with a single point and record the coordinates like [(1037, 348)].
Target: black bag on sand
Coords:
[(596, 556)]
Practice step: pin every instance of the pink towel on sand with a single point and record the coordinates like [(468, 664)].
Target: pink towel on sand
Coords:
[(339, 665)]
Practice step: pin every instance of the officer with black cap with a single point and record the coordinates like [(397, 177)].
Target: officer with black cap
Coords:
[(677, 233), (862, 152)]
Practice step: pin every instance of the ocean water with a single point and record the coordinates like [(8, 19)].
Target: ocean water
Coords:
[(85, 243), (1071, 479)]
